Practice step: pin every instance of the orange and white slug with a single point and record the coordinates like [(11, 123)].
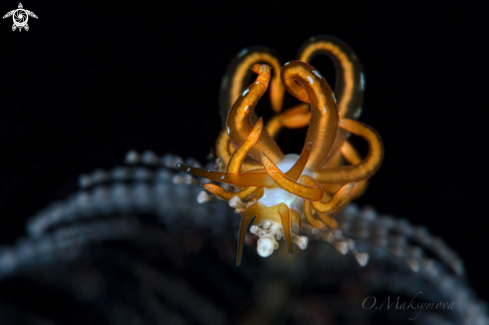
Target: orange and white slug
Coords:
[(282, 190)]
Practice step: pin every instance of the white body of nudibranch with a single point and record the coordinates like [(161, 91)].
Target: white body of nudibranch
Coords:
[(269, 232), (277, 195)]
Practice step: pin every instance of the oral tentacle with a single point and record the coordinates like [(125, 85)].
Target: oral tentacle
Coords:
[(284, 213), (245, 220)]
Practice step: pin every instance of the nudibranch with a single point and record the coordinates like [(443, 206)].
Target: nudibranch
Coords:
[(288, 192)]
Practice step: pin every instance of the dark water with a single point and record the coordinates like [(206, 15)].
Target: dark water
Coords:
[(90, 81)]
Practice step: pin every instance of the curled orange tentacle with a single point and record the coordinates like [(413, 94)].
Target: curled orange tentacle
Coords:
[(295, 172), (329, 220), (239, 118), (222, 150), (222, 146), (226, 195), (335, 202), (238, 179), (362, 170), (349, 83), (352, 156), (306, 208), (239, 155), (293, 118), (305, 83), (234, 80), (306, 192)]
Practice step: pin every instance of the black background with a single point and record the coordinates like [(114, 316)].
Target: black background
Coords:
[(89, 81)]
